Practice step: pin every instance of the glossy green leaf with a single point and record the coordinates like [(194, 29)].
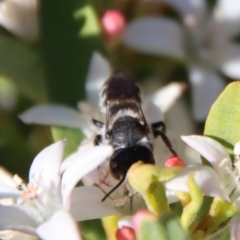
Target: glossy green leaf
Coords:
[(21, 64), (167, 227), (67, 47), (223, 120)]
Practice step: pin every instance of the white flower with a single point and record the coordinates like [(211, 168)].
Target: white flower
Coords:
[(221, 181), (213, 182), (204, 176), (203, 41), (45, 201), (127, 201), (20, 18), (215, 153), (98, 182)]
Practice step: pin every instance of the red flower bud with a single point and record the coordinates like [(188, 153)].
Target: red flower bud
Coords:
[(125, 233), (175, 161)]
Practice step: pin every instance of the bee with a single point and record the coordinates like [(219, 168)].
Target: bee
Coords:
[(125, 126)]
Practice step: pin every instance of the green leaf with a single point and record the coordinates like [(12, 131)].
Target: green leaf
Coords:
[(67, 46), (167, 227), (21, 64), (91, 26), (73, 136), (223, 120), (92, 230)]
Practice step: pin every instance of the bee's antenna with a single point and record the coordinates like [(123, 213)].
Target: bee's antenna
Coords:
[(113, 189)]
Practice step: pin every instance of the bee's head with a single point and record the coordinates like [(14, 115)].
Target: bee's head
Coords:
[(123, 158)]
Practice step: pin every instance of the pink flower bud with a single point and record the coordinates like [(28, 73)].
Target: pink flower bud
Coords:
[(113, 23), (140, 216)]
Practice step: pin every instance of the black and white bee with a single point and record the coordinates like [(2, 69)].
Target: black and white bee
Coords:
[(125, 126)]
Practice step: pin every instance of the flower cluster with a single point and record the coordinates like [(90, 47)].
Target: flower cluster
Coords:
[(190, 184), (206, 195), (51, 51), (49, 198), (203, 41)]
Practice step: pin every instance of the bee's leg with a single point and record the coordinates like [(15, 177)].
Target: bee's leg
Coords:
[(99, 128), (165, 139), (157, 125), (98, 139)]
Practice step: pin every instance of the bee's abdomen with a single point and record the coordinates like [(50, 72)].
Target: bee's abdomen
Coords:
[(120, 87)]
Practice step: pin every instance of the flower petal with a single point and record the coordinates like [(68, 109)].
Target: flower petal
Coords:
[(216, 154), (99, 71), (234, 227), (210, 149), (205, 177), (230, 60), (7, 185), (6, 178), (154, 35), (53, 115), (60, 226), (125, 221), (16, 235), (86, 204), (206, 86), (8, 192), (166, 96), (46, 165), (20, 18), (84, 147), (188, 8), (228, 9), (16, 219), (227, 19), (88, 161), (171, 197)]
